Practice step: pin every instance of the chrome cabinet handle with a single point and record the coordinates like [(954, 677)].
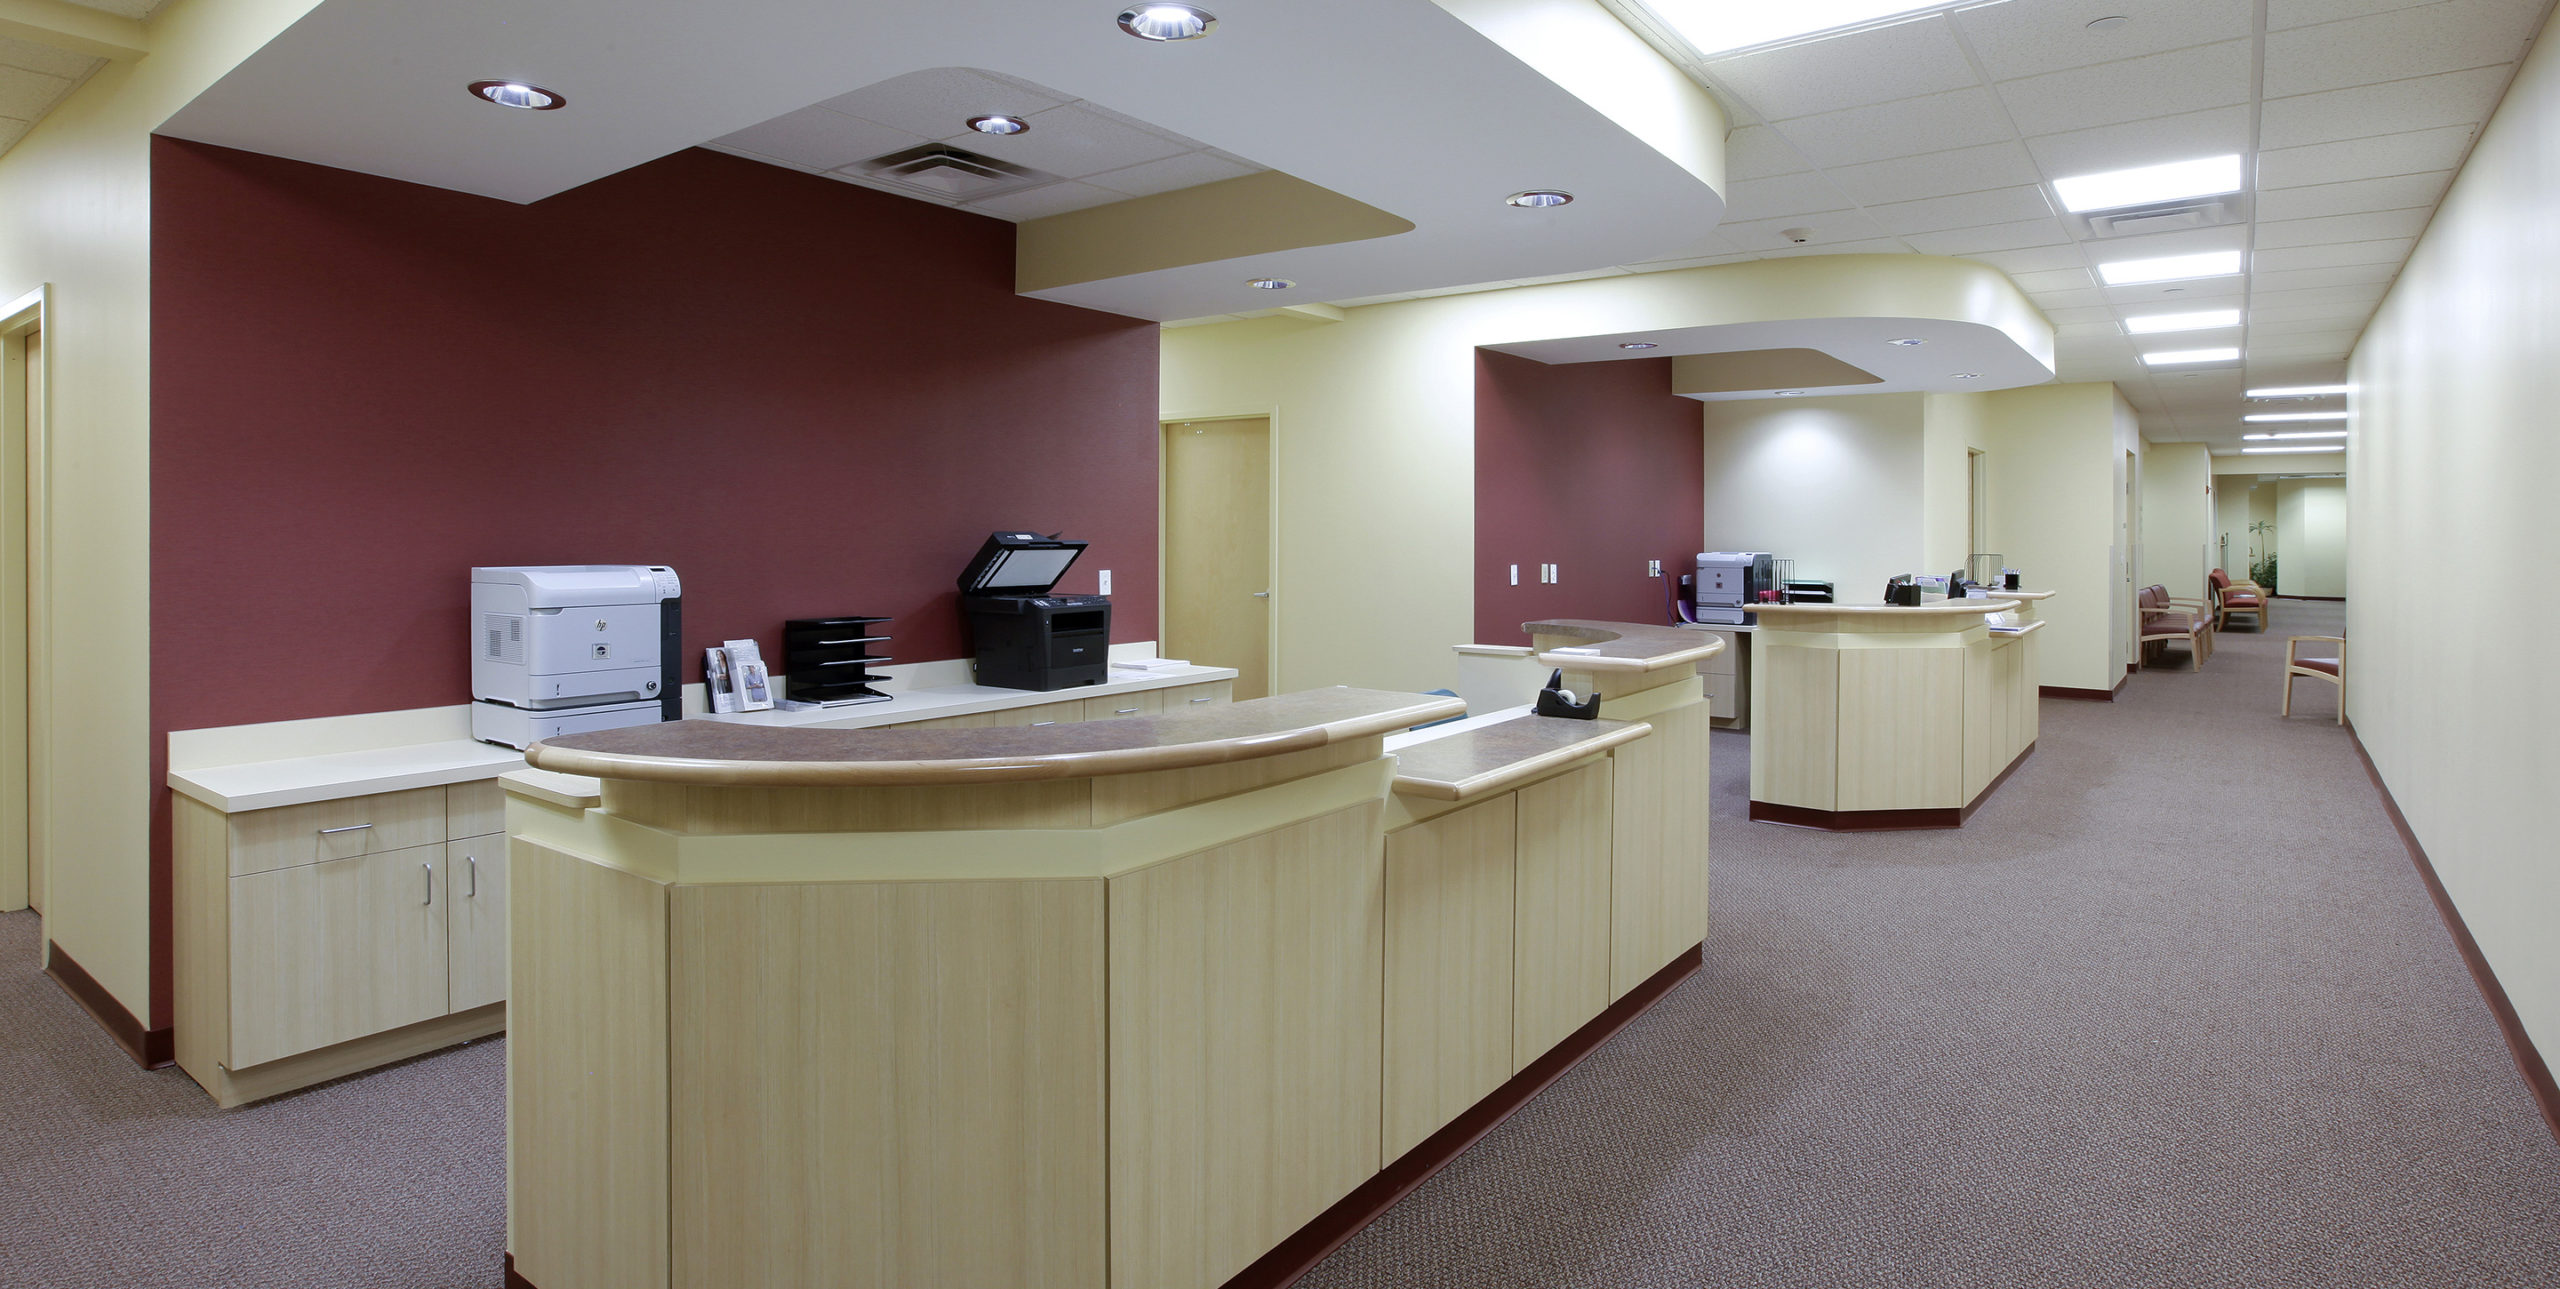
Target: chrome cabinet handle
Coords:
[(1210, 699), (1124, 711), (474, 862), (1037, 724), (349, 828), (431, 883)]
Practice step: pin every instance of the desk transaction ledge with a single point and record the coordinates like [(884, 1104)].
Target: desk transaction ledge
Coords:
[(1620, 647)]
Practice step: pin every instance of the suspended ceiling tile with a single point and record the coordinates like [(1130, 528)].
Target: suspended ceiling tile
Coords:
[(2068, 298), (12, 130), (2397, 45), (2412, 152), (46, 59), (2333, 254), (1992, 237), (2179, 297), (1756, 152), (2276, 309), (2334, 297), (1076, 141), (1828, 228), (2425, 103), (123, 8), (1965, 210), (1781, 195), (2084, 330), (2133, 89), (1691, 262), (2342, 275), (2378, 226), (818, 139), (2355, 196), (2286, 14), (2334, 344), (2020, 40), (1906, 60), (2054, 280), (2034, 259), (1045, 200), (2177, 137), (1938, 174), (2327, 320), (1869, 246), (1936, 123), (937, 101), (1190, 170), (28, 95), (2081, 314)]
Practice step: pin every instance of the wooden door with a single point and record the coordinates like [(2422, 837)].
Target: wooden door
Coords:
[(336, 950), (476, 940), (1217, 547)]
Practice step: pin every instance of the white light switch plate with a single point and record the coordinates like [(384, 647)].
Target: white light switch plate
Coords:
[(1106, 582)]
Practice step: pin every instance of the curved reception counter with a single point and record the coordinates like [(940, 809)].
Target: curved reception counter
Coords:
[(1870, 716), (1157, 1002)]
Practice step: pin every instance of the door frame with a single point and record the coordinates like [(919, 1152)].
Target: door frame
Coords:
[(25, 661), (1271, 474)]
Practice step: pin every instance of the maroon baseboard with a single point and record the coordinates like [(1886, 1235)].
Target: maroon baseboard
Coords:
[(2537, 1073), (2077, 695), (150, 1048), (2333, 599), (1299, 1254), (515, 1281), (1885, 820)]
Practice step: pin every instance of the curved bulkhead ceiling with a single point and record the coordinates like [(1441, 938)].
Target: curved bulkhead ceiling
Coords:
[(1412, 109)]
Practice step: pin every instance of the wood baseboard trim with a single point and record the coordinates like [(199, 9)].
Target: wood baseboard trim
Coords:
[(2529, 1062), (1296, 1256), (232, 1088), (2076, 695), (2330, 599), (150, 1048), (1769, 812), (1998, 779), (515, 1281)]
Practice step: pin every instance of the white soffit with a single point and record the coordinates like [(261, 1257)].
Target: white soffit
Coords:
[(377, 86)]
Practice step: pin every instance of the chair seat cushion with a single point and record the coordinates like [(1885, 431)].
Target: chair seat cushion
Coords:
[(2327, 666), (2239, 600), (2162, 625)]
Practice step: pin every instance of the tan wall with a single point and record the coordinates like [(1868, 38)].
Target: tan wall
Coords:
[(1951, 428), (2231, 540), (2311, 516), (77, 215), (2449, 475), (2177, 517), (1831, 483), (2054, 473)]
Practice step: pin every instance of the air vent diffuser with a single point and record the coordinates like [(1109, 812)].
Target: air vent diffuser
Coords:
[(946, 171), (2166, 217)]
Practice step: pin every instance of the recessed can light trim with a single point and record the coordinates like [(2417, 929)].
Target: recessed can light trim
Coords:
[(999, 124), (1964, 375), (1637, 344), (1167, 22), (517, 94), (1539, 199), (1789, 393), (1907, 341), (1270, 283)]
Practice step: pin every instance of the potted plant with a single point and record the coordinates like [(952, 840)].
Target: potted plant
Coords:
[(2262, 570)]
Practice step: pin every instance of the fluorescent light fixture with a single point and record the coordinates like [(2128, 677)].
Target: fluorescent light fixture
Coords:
[(2149, 185), (2300, 391), (1167, 21), (2258, 451), (2300, 434), (2156, 323), (2170, 268), (2295, 416), (1716, 26), (2175, 357)]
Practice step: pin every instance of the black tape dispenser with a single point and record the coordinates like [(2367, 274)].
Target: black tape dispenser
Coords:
[(1556, 700)]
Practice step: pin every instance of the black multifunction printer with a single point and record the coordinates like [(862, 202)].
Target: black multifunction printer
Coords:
[(1026, 637)]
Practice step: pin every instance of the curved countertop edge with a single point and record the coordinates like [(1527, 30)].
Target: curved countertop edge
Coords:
[(1604, 735), (1941, 608), (2022, 629), (1012, 768), (1622, 646), (2024, 595)]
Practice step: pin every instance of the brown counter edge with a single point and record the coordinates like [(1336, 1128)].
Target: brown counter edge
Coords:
[(1768, 812), (1297, 1255)]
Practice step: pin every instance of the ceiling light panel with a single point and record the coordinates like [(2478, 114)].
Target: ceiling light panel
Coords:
[(2300, 434), (2149, 185), (2258, 451), (2295, 416), (2170, 268), (2300, 391), (2153, 324), (2182, 357), (1722, 26)]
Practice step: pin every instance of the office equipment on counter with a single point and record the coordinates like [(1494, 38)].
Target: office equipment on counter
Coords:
[(1556, 700), (828, 661), (748, 673), (1902, 591), (1730, 581), (1810, 592), (1027, 638), (573, 649)]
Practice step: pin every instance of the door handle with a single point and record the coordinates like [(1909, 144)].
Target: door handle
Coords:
[(1262, 595), (430, 870), (473, 861)]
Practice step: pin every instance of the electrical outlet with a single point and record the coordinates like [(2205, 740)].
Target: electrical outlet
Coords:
[(1653, 568), (1547, 573), (1515, 575), (1106, 582)]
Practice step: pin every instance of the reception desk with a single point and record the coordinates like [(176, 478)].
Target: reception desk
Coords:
[(1145, 1003), (1875, 716)]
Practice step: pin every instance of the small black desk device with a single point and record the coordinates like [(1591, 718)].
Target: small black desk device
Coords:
[(1026, 637)]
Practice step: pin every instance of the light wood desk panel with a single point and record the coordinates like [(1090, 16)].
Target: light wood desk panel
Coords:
[(1449, 968), (1562, 935)]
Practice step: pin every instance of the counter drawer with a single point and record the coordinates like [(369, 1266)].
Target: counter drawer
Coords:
[(291, 836)]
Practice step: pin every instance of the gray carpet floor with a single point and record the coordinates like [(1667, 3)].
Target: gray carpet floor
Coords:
[(2172, 1009)]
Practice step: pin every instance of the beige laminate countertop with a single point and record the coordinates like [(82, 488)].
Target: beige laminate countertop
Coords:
[(1940, 608), (715, 754), (1621, 646), (1478, 762)]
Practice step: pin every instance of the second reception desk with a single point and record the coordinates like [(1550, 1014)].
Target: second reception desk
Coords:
[(1873, 716)]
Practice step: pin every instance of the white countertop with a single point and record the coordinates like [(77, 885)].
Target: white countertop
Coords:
[(263, 785)]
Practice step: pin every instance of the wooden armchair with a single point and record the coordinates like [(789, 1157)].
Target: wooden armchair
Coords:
[(2165, 618), (2333, 670), (2231, 597)]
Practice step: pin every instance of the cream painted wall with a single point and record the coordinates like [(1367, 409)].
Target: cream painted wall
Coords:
[(2177, 517), (2053, 462), (2232, 542), (2449, 475), (77, 214), (1834, 484), (1951, 428), (2311, 516)]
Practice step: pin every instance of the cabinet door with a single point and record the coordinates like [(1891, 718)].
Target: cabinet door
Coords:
[(1191, 698), (1448, 969), (476, 973), (1561, 974), (332, 951)]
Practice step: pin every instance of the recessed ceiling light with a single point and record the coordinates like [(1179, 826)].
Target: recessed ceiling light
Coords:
[(1539, 198), (2295, 416), (2108, 23), (998, 124), (2300, 391), (532, 98), (1717, 26), (2153, 324), (2170, 268), (1789, 393), (1270, 283), (2332, 448), (1637, 344), (2300, 434), (1167, 21), (2175, 357), (2147, 185), (1908, 340), (1965, 375)]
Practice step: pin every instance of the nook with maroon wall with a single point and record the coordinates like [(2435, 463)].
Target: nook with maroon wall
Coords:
[(1593, 467), (807, 397)]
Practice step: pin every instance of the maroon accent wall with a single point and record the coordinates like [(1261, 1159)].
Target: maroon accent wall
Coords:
[(808, 397), (1594, 467)]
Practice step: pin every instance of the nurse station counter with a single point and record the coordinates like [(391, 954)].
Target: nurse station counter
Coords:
[(1154, 1002)]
